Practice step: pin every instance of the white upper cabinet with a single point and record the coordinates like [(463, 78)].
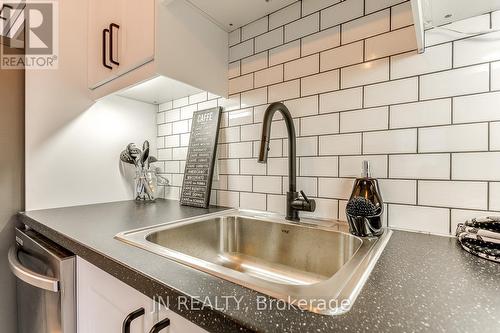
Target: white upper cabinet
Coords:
[(130, 42), (120, 38)]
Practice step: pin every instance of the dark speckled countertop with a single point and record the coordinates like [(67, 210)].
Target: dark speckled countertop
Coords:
[(421, 283)]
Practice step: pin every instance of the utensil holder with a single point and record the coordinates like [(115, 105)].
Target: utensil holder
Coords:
[(146, 185)]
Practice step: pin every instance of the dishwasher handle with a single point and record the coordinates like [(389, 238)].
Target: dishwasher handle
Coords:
[(30, 277)]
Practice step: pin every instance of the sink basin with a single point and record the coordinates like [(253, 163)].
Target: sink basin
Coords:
[(315, 265)]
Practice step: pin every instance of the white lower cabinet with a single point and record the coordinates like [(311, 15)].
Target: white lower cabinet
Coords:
[(105, 302)]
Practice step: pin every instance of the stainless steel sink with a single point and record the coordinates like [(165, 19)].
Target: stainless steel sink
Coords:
[(316, 265)]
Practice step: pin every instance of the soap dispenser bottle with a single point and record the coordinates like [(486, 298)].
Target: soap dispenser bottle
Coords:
[(365, 207)]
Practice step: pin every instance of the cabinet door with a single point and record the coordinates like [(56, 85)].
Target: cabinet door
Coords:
[(104, 302), (138, 34), (101, 15)]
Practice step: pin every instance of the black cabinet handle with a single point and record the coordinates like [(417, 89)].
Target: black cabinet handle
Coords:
[(130, 318), (160, 325), (105, 33), (111, 57)]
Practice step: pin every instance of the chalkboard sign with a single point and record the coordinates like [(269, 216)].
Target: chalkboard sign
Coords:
[(200, 160)]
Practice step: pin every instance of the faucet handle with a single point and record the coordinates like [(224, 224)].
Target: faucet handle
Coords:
[(305, 197)]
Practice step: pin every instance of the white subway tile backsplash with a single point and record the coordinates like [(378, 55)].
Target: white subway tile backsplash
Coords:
[(240, 117), (276, 203), (240, 51), (325, 208), (366, 26), (311, 6), (165, 106), (254, 63), (399, 191), (302, 107), (364, 120), (428, 113), (284, 53), (467, 80), (256, 201), (474, 108), (252, 167), (341, 144), (172, 141), (284, 91), (255, 28), (269, 40), (241, 83), (319, 166), (240, 150), (229, 167), (374, 5), (335, 188), (303, 27), (228, 199), (198, 98), (267, 184), (476, 166), (234, 69), (401, 15), (254, 97), (392, 92), (179, 153), (277, 166), (187, 111), (351, 166), (239, 183), (436, 58), (343, 100), (284, 16), (495, 76), (269, 76), (230, 103), (397, 41), (307, 146), (470, 137), (234, 37), (390, 142), (229, 134), (318, 125), (306, 184), (494, 202), (207, 105), (302, 67), (320, 41), (160, 118), (319, 83), (417, 218), (366, 73), (495, 136), (345, 55), (180, 127), (476, 50), (420, 166), (342, 12), (165, 129), (180, 102), (455, 194)]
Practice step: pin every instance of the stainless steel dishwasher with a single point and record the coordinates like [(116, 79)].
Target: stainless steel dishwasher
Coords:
[(46, 294)]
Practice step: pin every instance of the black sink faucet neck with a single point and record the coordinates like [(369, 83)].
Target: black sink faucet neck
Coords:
[(294, 204)]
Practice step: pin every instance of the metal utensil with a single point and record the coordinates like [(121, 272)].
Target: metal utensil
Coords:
[(134, 152), (126, 158)]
